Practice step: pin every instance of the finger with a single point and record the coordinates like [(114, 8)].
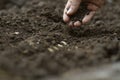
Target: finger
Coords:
[(92, 7), (65, 16), (73, 7), (77, 24), (87, 18), (68, 4), (71, 24)]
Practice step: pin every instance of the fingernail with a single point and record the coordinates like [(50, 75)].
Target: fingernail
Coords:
[(69, 11), (88, 12)]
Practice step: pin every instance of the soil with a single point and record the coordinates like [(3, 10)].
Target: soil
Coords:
[(80, 14), (35, 43)]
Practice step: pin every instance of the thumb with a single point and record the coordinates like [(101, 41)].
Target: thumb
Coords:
[(73, 7)]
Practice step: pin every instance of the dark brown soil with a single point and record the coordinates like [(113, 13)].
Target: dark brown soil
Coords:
[(35, 43), (81, 13)]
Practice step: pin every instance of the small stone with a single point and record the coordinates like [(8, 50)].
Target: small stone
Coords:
[(115, 34), (38, 42), (110, 1), (68, 49)]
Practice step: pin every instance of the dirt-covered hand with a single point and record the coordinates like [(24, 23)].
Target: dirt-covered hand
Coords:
[(72, 7)]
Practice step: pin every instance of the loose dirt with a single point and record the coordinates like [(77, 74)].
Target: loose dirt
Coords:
[(35, 43)]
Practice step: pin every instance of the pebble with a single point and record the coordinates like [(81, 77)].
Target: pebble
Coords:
[(110, 1)]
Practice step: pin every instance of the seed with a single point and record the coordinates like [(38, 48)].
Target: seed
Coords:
[(51, 50), (56, 48), (76, 47), (59, 45), (63, 42), (17, 33)]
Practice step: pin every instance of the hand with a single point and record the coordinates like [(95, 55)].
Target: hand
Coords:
[(73, 5)]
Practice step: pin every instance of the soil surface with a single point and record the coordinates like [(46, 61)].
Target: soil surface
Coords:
[(35, 43)]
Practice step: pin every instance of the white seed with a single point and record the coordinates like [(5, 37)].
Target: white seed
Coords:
[(76, 47), (64, 43), (59, 45), (51, 50), (17, 33), (56, 48)]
